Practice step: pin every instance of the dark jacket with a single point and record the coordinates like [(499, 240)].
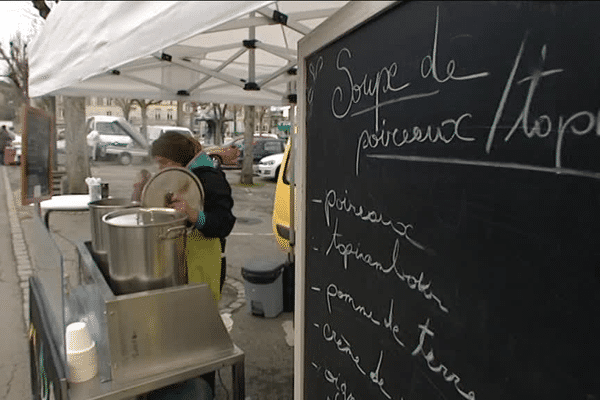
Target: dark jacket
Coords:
[(218, 203), (5, 139)]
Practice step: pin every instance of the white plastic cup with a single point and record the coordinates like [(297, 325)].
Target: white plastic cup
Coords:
[(82, 357), (95, 192), (78, 337)]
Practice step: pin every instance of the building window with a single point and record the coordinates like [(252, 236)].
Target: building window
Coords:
[(170, 115), (61, 113), (109, 113), (156, 114)]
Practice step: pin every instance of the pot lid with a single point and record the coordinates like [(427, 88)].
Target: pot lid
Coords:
[(174, 180)]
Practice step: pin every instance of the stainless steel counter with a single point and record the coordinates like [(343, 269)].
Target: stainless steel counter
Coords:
[(113, 390), (145, 340)]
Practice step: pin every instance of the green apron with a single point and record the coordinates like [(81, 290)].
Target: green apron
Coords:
[(203, 254), (203, 257)]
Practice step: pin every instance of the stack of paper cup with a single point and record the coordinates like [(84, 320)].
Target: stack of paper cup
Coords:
[(94, 188), (82, 358)]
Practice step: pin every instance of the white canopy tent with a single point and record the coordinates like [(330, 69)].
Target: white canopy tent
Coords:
[(239, 52)]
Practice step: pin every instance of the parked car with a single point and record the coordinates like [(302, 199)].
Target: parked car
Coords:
[(155, 131), (282, 206), (264, 147), (226, 154), (268, 167), (113, 137), (231, 154)]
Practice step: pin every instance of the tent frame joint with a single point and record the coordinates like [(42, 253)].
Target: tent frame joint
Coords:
[(250, 43), (251, 86), (280, 17)]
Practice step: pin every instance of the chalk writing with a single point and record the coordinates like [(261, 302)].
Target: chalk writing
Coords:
[(374, 375), (396, 138), (431, 61), (542, 125), (334, 292), (492, 164), (314, 69), (349, 249), (441, 368), (369, 87), (389, 324), (341, 387), (332, 200), (342, 345)]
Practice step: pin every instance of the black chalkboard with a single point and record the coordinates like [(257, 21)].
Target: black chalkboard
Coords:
[(37, 142), (453, 205)]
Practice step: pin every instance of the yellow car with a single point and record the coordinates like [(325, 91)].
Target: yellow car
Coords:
[(281, 208)]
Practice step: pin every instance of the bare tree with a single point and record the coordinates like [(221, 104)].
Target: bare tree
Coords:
[(144, 104), (179, 113), (126, 105), (260, 113), (246, 175), (194, 106), (78, 164), (219, 111), (18, 66)]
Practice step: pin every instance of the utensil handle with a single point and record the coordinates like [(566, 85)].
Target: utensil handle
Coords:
[(173, 229)]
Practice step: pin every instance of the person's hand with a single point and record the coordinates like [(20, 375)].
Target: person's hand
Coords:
[(182, 206), (138, 186)]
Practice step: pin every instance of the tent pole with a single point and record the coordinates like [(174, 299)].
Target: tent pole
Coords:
[(251, 53), (292, 158)]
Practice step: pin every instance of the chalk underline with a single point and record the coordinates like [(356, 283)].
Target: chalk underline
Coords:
[(404, 98), (493, 164)]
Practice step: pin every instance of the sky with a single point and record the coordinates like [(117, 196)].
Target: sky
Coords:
[(17, 16)]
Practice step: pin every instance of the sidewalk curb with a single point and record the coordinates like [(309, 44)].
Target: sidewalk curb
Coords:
[(20, 251), (241, 296)]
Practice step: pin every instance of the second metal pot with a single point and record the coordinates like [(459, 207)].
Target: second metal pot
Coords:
[(146, 249), (98, 209)]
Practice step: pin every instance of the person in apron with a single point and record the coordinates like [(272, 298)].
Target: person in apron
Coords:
[(205, 246)]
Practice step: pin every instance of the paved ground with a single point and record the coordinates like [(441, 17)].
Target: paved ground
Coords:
[(14, 358), (268, 343)]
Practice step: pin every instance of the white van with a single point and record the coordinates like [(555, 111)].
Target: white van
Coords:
[(110, 137), (155, 131)]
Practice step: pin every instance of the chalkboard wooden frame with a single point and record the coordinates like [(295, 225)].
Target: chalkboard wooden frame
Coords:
[(466, 260), (37, 155), (348, 18)]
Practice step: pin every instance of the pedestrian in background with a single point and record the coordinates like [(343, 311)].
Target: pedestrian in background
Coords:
[(5, 141)]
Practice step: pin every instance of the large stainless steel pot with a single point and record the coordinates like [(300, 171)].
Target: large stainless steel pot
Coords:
[(146, 249), (98, 209)]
